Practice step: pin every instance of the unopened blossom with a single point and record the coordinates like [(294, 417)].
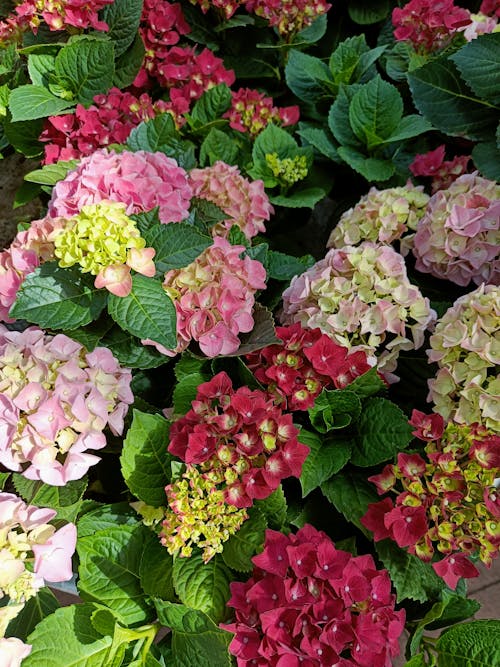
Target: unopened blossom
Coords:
[(429, 25), (199, 515), (245, 202), (240, 438), (308, 603), (109, 120), (361, 297), (251, 112), (13, 651), (56, 399), (102, 237), (466, 347), (287, 171), (288, 16), (141, 180), (305, 362), (447, 507), (214, 297), (458, 238), (27, 538), (382, 216), (443, 172)]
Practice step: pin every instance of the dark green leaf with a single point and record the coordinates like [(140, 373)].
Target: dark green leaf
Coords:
[(375, 112), (40, 67), (128, 64), (478, 62), (486, 156), (326, 457), (262, 334), (155, 570), (106, 516), (373, 169), (66, 500), (308, 77), (366, 13), (146, 219), (475, 644), (368, 384), (211, 106), (285, 267), (130, 352), (321, 140), (333, 409), (185, 392), (350, 493), (34, 610), (32, 102), (122, 17), (338, 116), (218, 145), (86, 68), (274, 508), (153, 135), (409, 127), (306, 198), (176, 245), (246, 542), (345, 59)]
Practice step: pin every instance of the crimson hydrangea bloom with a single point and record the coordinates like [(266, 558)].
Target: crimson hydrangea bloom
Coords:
[(288, 16), (304, 363), (308, 603), (242, 434), (252, 111), (447, 507), (443, 172)]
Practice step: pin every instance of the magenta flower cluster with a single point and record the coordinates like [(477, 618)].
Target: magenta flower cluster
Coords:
[(443, 172), (309, 604), (251, 111), (56, 399), (458, 238), (140, 180)]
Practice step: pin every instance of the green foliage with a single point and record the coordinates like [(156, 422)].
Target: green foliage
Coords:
[(128, 64), (308, 77), (122, 17), (218, 145), (160, 134), (262, 334), (129, 350), (474, 644), (50, 174), (334, 409), (185, 392), (477, 62), (35, 609), (326, 457), (246, 542), (31, 102), (85, 68), (106, 516), (274, 508), (147, 312), (350, 493), (66, 500), (145, 462), (367, 13), (210, 108), (56, 298), (176, 245)]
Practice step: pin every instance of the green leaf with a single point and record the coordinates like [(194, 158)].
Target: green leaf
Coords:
[(324, 459), (122, 17), (383, 431), (373, 169), (56, 298), (129, 63), (475, 644), (176, 245), (109, 571), (153, 135), (446, 101), (375, 112), (417, 661), (486, 156), (24, 136), (262, 334), (155, 570), (66, 500), (246, 543), (86, 67), (345, 59), (34, 610), (367, 13), (368, 384), (321, 140), (146, 219), (308, 77), (272, 139), (147, 312), (410, 126), (32, 102), (185, 392), (145, 461), (274, 508), (130, 352), (412, 578), (314, 32), (218, 145), (211, 106), (338, 116), (334, 409), (196, 640), (307, 198), (106, 516), (203, 586), (189, 364), (477, 62), (4, 476), (205, 213), (50, 174), (285, 267), (83, 646), (40, 66), (350, 493)]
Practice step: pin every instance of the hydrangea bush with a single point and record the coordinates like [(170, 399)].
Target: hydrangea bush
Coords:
[(261, 292)]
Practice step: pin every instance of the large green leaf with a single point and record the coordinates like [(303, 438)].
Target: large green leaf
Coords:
[(122, 17), (334, 409), (478, 63), (106, 516), (350, 493), (338, 116), (246, 542), (153, 135), (145, 461), (67, 638), (34, 610), (308, 77), (446, 101), (147, 312), (218, 145), (130, 352), (109, 572), (365, 13), (155, 570), (203, 586), (66, 500), (375, 112), (86, 67), (475, 644), (30, 102), (176, 245), (486, 156), (211, 106), (326, 457), (373, 169), (129, 63), (56, 298)]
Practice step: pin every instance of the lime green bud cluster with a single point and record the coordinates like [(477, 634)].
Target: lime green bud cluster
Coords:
[(288, 170), (198, 515), (99, 236)]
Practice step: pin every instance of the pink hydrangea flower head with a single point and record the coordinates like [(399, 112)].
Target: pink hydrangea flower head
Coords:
[(458, 238), (244, 201), (56, 400), (381, 216), (480, 24), (361, 297), (13, 651), (214, 298), (288, 16), (308, 603), (490, 8), (428, 25), (27, 533), (140, 180), (252, 111), (466, 347), (443, 172)]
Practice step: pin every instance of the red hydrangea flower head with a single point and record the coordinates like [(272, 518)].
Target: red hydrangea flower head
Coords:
[(304, 363), (227, 7), (251, 112), (443, 172), (240, 435), (428, 24), (288, 16), (308, 603)]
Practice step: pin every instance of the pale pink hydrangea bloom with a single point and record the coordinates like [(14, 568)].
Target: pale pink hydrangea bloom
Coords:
[(480, 25), (382, 216), (244, 201), (140, 180), (214, 299), (458, 238), (466, 348), (362, 298), (13, 651), (26, 535), (28, 250), (56, 399)]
